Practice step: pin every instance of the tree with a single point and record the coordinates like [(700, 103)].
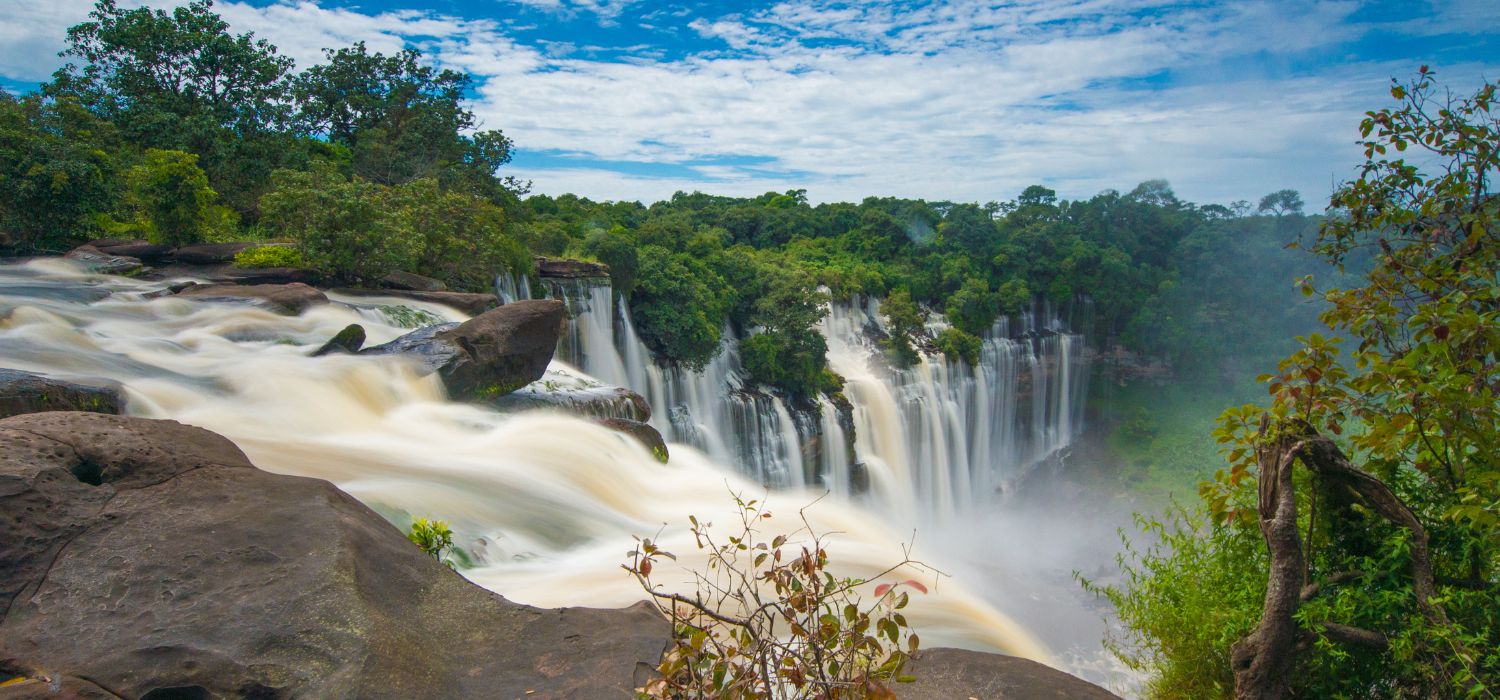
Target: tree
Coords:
[(1281, 203), (174, 197), (181, 81), (904, 319), (402, 120), (57, 172)]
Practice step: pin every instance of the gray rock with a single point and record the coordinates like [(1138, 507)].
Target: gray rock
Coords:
[(103, 263), (141, 249), (489, 355), (176, 564), (290, 299), (412, 282), (349, 340), (24, 392)]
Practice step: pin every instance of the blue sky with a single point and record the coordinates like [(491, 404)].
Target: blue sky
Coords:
[(940, 99)]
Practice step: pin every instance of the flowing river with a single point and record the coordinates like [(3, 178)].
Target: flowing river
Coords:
[(546, 505)]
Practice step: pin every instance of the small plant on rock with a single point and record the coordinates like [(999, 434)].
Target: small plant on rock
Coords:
[(434, 538), (269, 256), (768, 620)]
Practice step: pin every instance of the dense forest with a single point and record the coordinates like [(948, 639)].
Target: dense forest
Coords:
[(1347, 549)]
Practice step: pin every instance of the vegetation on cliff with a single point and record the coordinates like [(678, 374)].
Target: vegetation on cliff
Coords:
[(1352, 547)]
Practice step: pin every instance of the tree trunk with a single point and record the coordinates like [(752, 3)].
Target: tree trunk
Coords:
[(1263, 661)]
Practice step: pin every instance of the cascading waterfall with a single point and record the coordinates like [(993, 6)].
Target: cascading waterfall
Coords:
[(931, 440), (544, 503), (708, 409)]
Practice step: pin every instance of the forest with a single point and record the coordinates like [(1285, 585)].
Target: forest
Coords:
[(1349, 546)]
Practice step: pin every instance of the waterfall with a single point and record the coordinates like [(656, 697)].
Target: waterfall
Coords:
[(543, 504), (933, 440), (941, 437)]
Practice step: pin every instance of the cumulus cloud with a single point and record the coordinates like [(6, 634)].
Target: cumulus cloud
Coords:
[(947, 99)]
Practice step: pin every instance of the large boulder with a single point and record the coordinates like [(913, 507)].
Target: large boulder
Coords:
[(489, 355), (945, 674), (95, 260), (471, 303), (24, 392), (152, 559), (290, 299), (347, 341)]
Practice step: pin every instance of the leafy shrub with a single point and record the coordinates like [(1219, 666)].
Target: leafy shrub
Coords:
[(269, 256), (904, 318), (958, 345), (434, 538), (769, 621), (1184, 600)]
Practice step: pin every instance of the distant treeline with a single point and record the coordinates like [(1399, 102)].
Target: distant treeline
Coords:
[(165, 126)]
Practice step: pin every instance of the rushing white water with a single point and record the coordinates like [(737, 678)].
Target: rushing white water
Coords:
[(930, 441), (545, 503)]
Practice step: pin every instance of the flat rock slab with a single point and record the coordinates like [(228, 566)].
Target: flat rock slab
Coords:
[(270, 275), (211, 253), (411, 281), (471, 303), (290, 299), (147, 555), (95, 260), (25, 392)]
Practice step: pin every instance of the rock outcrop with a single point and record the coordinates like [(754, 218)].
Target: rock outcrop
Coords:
[(471, 303), (569, 269), (289, 299), (211, 253), (489, 355), (135, 248), (95, 260), (152, 559), (24, 392), (642, 432)]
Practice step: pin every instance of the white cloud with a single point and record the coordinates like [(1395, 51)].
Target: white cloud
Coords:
[(953, 100)]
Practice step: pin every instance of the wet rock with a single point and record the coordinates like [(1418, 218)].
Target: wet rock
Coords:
[(490, 355), (470, 303), (349, 340), (289, 299), (642, 432), (558, 267), (564, 391), (169, 290), (25, 392), (944, 674), (412, 282), (95, 260), (154, 560), (211, 253)]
